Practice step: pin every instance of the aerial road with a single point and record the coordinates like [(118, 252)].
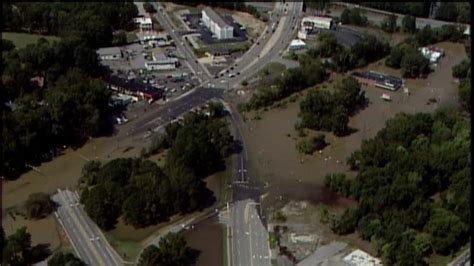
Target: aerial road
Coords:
[(269, 48), (88, 242), (199, 70)]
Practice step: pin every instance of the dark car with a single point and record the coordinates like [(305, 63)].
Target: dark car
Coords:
[(216, 77), (231, 68), (238, 73), (222, 74)]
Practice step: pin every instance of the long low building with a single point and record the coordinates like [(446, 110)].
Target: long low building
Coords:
[(377, 79), (110, 53), (312, 22), (135, 89), (162, 62)]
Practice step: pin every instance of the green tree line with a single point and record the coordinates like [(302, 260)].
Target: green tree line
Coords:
[(310, 73), (89, 21), (448, 11), (367, 50), (412, 187), (172, 250)]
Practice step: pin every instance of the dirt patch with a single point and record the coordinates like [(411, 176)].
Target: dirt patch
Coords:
[(253, 25)]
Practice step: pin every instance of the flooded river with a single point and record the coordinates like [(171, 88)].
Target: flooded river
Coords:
[(207, 237)]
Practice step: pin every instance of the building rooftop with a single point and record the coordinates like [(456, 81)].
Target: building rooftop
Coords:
[(215, 17), (309, 18), (297, 42), (108, 50), (143, 20), (361, 258), (133, 86)]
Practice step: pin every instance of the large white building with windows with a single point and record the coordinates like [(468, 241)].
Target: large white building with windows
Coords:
[(221, 29)]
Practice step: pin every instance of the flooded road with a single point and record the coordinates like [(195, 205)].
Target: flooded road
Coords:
[(207, 237)]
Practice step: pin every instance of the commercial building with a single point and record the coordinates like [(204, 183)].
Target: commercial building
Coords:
[(296, 44), (221, 29), (144, 23), (312, 23), (134, 89), (162, 62), (109, 53), (377, 79), (361, 258)]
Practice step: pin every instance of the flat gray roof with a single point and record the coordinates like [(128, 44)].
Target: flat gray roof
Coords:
[(108, 50), (215, 17)]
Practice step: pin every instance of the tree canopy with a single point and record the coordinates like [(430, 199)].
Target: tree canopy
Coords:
[(417, 9), (310, 73), (321, 110), (38, 205), (65, 259), (412, 187), (17, 248), (353, 16), (92, 22), (172, 250)]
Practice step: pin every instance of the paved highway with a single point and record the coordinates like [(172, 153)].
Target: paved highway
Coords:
[(270, 45), (88, 242), (159, 115)]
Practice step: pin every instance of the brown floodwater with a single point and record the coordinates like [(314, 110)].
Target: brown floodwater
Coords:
[(207, 237)]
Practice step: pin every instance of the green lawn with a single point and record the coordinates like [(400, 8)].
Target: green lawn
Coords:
[(21, 40), (272, 239)]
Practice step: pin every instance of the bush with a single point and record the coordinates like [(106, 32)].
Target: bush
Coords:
[(38, 205), (461, 70), (149, 8), (414, 65), (353, 17)]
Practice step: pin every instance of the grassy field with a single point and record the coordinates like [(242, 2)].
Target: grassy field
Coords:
[(21, 40), (271, 68)]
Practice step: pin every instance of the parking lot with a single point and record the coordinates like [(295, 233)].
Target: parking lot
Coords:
[(194, 19)]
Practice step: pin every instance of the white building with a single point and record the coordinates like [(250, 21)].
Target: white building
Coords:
[(312, 22), (361, 258), (109, 53), (144, 23), (432, 53), (467, 31), (297, 44), (216, 24), (161, 62)]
